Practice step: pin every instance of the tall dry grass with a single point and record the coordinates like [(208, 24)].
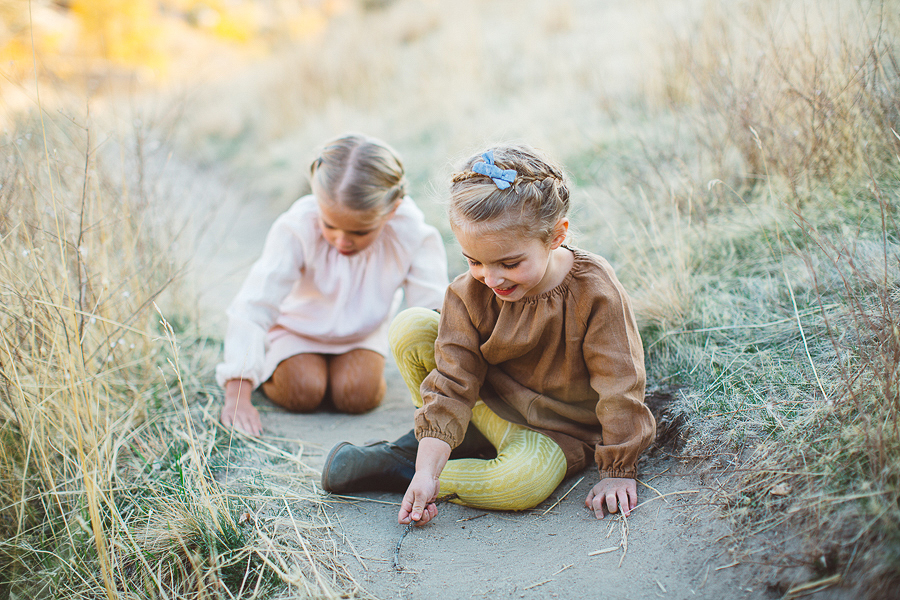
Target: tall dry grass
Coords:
[(115, 481), (766, 269)]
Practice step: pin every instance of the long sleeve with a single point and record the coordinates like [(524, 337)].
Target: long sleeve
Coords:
[(427, 280), (451, 389), (256, 306), (615, 359)]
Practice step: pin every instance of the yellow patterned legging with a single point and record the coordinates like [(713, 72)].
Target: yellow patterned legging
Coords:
[(529, 465)]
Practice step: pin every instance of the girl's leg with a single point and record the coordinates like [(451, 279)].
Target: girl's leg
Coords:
[(298, 383), (529, 465), (411, 337), (356, 380)]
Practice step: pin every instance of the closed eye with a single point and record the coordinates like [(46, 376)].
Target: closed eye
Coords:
[(511, 265)]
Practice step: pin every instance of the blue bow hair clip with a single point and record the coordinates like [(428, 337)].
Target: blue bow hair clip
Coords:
[(501, 177)]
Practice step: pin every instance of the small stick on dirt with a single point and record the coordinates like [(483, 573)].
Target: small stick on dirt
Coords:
[(395, 562), (811, 587), (472, 518), (534, 585), (563, 497), (647, 485), (563, 569), (604, 551), (624, 521)]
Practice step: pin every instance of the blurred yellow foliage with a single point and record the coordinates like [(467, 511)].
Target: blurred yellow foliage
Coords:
[(18, 47), (126, 32), (77, 36)]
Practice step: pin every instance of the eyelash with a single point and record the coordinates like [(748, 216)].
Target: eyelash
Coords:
[(474, 263), (356, 233)]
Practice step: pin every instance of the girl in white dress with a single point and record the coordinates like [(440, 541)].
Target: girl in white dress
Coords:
[(310, 321)]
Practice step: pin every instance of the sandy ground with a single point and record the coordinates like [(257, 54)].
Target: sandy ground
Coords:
[(673, 546)]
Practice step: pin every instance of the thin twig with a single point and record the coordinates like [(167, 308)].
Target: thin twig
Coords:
[(534, 585), (395, 563), (812, 587), (472, 518), (624, 522), (562, 497), (664, 496)]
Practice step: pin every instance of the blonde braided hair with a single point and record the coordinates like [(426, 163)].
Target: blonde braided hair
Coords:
[(534, 202)]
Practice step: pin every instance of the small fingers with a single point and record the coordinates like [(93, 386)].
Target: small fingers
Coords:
[(622, 497), (405, 509), (611, 502), (428, 513)]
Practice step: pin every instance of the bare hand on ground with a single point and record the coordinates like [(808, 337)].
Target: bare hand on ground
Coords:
[(418, 502), (611, 493), (239, 411)]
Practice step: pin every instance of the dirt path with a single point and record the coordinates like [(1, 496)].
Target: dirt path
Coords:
[(670, 547)]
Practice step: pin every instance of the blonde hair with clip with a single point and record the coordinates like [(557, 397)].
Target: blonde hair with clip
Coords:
[(534, 202), (359, 172)]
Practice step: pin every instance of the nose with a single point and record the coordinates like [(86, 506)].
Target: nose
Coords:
[(343, 241), (492, 278)]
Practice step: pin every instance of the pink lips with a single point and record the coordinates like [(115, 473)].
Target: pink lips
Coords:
[(505, 292)]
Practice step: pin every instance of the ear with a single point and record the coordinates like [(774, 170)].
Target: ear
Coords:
[(560, 230), (393, 211)]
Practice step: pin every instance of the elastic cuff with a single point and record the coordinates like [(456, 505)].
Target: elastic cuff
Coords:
[(627, 474), (434, 433)]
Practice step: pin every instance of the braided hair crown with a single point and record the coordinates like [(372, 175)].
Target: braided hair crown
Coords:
[(534, 201)]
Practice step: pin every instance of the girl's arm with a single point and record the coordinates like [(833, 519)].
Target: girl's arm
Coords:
[(427, 279), (418, 502), (255, 307), (615, 359)]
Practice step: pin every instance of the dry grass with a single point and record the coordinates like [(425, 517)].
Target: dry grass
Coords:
[(741, 174), (115, 481), (767, 275)]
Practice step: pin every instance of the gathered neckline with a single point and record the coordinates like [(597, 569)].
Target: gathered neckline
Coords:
[(563, 287)]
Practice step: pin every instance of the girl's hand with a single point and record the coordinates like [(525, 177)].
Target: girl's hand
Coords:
[(418, 502), (238, 411), (611, 493)]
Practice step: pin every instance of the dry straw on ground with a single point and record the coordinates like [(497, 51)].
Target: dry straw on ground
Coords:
[(114, 480)]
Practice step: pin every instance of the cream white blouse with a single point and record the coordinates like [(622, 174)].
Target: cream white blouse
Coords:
[(302, 295)]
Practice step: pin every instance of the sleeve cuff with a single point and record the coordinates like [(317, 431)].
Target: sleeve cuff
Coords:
[(225, 373), (434, 433), (623, 473)]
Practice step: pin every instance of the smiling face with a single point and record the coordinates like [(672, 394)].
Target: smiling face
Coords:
[(515, 267), (350, 231)]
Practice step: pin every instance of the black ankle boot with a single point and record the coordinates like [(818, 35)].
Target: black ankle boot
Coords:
[(384, 466), (375, 467)]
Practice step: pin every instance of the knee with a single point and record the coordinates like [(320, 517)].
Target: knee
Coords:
[(295, 392), (533, 470), (412, 331), (355, 397)]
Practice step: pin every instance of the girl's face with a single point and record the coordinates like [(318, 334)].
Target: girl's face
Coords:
[(513, 266), (350, 231)]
